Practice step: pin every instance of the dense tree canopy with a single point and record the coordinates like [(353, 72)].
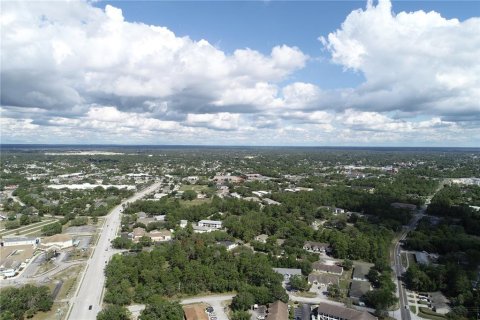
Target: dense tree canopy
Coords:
[(15, 303)]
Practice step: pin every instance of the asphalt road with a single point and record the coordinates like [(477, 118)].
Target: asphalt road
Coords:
[(399, 270), (87, 301)]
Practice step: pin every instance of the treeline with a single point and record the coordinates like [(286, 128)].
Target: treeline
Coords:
[(454, 201), (26, 301), (456, 271), (82, 202), (354, 238), (190, 266), (443, 237)]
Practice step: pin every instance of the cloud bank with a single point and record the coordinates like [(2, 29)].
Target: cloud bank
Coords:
[(74, 73)]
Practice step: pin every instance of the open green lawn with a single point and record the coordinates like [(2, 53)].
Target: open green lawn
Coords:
[(429, 314), (195, 202), (33, 229), (413, 309), (69, 277)]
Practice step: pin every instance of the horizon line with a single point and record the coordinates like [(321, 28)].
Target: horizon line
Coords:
[(230, 146)]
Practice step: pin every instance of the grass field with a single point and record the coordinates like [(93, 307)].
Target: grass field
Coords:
[(195, 202), (429, 314), (194, 187), (33, 229), (69, 277)]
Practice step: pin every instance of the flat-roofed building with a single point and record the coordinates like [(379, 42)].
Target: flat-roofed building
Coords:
[(62, 241), (19, 241), (212, 224)]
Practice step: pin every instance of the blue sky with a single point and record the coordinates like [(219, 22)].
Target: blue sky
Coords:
[(242, 72), (261, 25)]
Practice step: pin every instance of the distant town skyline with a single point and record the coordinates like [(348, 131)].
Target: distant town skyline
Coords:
[(314, 73)]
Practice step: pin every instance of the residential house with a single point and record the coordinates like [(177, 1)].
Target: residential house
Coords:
[(194, 312), (316, 247), (229, 245), (288, 272), (137, 233), (141, 214), (191, 179), (321, 267), (160, 235), (260, 193), (261, 238), (358, 289), (277, 311), (271, 202), (360, 271), (235, 195), (422, 258), (145, 221), (326, 311), (334, 210), (183, 223), (199, 229), (324, 279)]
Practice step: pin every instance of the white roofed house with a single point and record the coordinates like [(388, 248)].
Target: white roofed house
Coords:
[(211, 224), (229, 245)]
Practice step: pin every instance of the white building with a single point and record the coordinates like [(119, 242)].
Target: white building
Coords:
[(19, 241), (183, 223), (62, 241), (211, 224)]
